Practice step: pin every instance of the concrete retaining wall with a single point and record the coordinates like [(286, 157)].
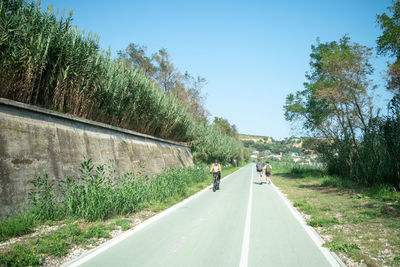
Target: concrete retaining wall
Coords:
[(35, 141)]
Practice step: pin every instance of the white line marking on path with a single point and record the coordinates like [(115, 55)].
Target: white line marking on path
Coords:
[(244, 258), (333, 259), (96, 251)]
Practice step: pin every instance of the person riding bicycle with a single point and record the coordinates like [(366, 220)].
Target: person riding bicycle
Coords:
[(216, 169)]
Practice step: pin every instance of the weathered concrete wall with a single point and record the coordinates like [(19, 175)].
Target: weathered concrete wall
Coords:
[(35, 141)]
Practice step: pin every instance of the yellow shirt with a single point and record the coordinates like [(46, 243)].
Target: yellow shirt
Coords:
[(216, 169)]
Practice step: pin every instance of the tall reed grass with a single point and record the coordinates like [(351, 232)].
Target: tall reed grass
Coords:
[(208, 144), (46, 61), (98, 194)]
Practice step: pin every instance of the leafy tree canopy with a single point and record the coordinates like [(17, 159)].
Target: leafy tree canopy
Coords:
[(159, 67), (389, 44), (225, 127), (335, 102)]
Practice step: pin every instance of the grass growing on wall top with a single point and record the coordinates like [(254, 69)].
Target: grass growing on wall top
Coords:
[(45, 61)]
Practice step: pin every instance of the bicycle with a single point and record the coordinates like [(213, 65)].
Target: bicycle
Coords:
[(215, 181)]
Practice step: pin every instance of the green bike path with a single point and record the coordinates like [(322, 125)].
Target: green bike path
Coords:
[(217, 229)]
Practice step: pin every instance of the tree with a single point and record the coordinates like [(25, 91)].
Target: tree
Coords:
[(159, 67), (336, 102), (389, 44), (135, 55), (225, 127), (167, 76), (195, 98)]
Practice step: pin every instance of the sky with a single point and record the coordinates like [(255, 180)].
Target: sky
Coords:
[(251, 53)]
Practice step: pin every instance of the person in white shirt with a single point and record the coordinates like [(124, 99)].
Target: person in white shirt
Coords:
[(268, 172)]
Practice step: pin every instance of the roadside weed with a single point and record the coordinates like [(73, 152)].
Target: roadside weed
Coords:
[(321, 222), (55, 244), (300, 203), (305, 207), (341, 246), (123, 223), (17, 225), (96, 231), (397, 259), (21, 255)]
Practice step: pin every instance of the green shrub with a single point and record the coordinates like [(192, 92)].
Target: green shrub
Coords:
[(55, 244), (75, 233), (124, 223), (96, 231), (17, 225), (375, 162), (301, 203), (45, 205), (21, 255), (341, 246), (321, 222), (304, 171), (332, 181)]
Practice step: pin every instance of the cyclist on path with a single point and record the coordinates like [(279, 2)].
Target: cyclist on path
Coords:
[(216, 168)]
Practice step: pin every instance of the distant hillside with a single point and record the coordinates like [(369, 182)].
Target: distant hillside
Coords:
[(254, 138), (292, 149), (291, 141), (270, 145)]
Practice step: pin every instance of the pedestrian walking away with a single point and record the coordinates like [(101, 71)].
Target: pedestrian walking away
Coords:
[(259, 168), (268, 172)]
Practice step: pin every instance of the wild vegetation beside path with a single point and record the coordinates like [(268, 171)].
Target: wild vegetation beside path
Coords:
[(337, 107), (45, 61), (359, 224), (87, 211)]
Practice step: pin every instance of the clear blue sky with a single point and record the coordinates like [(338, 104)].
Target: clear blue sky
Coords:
[(252, 53)]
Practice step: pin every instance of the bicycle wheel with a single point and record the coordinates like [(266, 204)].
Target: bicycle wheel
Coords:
[(214, 183)]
